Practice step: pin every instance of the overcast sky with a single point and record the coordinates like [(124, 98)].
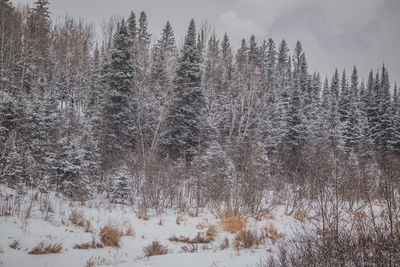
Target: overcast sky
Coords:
[(334, 33)]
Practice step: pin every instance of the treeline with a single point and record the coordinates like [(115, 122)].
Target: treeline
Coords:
[(168, 126)]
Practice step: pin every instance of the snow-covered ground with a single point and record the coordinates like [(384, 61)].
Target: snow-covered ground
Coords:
[(29, 223)]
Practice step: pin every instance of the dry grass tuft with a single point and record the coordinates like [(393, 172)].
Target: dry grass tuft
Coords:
[(43, 248), (14, 244), (199, 239), (225, 244), (192, 248), (301, 215), (129, 231), (110, 236), (271, 232), (246, 239), (155, 249), (211, 232), (358, 215), (233, 224), (269, 217), (96, 261), (77, 219), (88, 245), (179, 219), (142, 213)]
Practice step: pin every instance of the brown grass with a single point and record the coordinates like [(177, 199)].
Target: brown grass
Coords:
[(96, 261), (142, 214), (271, 232), (269, 217), (199, 239), (14, 244), (88, 245), (110, 236), (129, 231), (77, 219), (155, 249), (246, 239), (43, 248), (211, 232), (301, 215), (233, 224)]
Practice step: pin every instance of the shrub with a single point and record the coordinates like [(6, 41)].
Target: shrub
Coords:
[(301, 215), (224, 244), (233, 224), (77, 219), (88, 245), (271, 232), (211, 232), (110, 236), (246, 239), (43, 248), (155, 249), (199, 239), (192, 248)]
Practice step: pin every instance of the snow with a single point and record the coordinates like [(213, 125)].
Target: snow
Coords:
[(28, 232)]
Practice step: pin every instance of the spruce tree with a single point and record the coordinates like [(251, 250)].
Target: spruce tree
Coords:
[(119, 104), (184, 126)]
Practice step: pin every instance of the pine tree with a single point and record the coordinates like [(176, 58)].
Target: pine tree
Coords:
[(121, 192), (95, 94), (8, 118), (11, 164), (271, 65), (164, 54), (384, 127), (334, 119), (227, 58), (184, 129), (143, 42), (119, 106), (395, 142)]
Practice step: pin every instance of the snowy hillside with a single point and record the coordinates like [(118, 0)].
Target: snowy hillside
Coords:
[(36, 217)]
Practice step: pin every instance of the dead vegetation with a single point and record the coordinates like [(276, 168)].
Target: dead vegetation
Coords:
[(110, 235), (96, 261), (271, 232), (301, 215), (192, 248), (49, 248), (211, 232), (233, 223), (201, 238), (154, 249), (142, 213), (179, 219), (14, 245), (246, 239), (225, 244), (77, 219), (93, 244)]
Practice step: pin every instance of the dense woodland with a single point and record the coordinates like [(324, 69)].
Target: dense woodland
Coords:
[(198, 124)]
